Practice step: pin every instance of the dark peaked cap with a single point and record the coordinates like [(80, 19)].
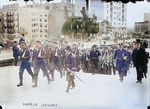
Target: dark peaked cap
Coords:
[(138, 41)]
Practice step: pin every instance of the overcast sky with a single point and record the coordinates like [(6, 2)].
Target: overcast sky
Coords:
[(134, 11)]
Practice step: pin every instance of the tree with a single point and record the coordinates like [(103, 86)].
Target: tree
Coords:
[(82, 26), (66, 29), (106, 25), (72, 26), (23, 31), (94, 28)]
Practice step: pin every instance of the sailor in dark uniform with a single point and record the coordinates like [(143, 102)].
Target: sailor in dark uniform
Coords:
[(56, 63), (75, 56), (94, 55), (84, 58), (38, 56), (25, 64), (69, 65)]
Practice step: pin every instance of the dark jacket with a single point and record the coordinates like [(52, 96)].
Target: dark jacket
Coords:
[(139, 57), (15, 51), (94, 55), (22, 39)]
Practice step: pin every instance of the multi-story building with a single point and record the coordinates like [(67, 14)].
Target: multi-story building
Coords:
[(38, 20), (34, 21), (10, 22), (24, 20), (59, 13), (142, 27), (1, 35), (116, 14)]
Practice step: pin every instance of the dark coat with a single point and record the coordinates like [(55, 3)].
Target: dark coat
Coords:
[(15, 51), (69, 61), (141, 59), (129, 59), (94, 55), (120, 62), (22, 39)]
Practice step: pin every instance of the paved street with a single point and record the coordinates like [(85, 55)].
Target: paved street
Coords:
[(100, 92)]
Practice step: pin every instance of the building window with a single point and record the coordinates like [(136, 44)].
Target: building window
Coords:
[(47, 7), (45, 20), (45, 25), (41, 35), (45, 15), (40, 25), (41, 30), (40, 19), (45, 31)]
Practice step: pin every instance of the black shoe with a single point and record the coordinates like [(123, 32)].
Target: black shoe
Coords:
[(67, 91), (140, 81), (20, 84), (93, 73), (137, 81)]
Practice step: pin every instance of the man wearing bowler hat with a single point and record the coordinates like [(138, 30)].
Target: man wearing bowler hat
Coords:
[(139, 59)]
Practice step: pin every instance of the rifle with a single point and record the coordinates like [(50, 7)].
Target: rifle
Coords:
[(27, 47), (87, 53), (43, 45), (71, 39)]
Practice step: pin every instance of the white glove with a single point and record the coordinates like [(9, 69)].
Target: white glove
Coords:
[(125, 57), (72, 73)]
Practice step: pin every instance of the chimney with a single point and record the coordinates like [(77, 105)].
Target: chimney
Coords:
[(88, 3)]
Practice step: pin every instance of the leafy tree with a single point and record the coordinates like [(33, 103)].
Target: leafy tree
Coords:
[(72, 26), (66, 29), (93, 28), (106, 26), (23, 31), (86, 26)]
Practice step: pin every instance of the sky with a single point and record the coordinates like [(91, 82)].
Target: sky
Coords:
[(134, 10)]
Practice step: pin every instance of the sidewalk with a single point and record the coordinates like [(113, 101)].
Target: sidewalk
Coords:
[(4, 55)]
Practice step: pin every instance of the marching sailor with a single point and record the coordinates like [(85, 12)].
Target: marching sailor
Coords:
[(25, 64), (69, 67), (38, 56)]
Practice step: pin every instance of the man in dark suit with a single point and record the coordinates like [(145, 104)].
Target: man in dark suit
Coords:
[(15, 52), (139, 59)]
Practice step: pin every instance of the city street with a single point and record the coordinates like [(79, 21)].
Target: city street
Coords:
[(100, 91)]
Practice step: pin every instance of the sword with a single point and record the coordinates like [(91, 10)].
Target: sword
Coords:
[(76, 76)]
